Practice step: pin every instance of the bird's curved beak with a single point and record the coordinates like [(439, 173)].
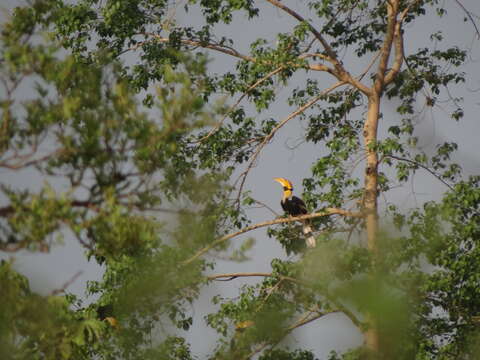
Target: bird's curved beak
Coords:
[(283, 182)]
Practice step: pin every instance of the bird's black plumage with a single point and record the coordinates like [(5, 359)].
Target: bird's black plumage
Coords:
[(294, 206)]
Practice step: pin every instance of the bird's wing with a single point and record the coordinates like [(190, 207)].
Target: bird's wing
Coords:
[(300, 204)]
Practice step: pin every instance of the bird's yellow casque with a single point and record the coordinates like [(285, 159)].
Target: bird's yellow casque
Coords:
[(295, 206)]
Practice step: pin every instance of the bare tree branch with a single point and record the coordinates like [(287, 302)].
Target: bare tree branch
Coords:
[(235, 53), (8, 210), (233, 276), (308, 318), (67, 284), (398, 43), (20, 165), (267, 138), (263, 205)]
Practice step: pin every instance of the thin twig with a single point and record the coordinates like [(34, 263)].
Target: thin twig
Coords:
[(22, 164), (263, 205), (470, 17), (308, 319), (423, 167), (258, 82), (233, 276)]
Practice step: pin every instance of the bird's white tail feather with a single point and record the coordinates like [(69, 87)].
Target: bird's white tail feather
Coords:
[(311, 243), (307, 230)]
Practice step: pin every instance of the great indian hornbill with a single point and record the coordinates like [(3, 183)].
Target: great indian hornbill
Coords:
[(295, 206), (105, 313)]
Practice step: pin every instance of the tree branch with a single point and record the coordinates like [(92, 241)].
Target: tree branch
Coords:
[(340, 73), (327, 212), (340, 308), (66, 284), (250, 88), (267, 138), (233, 276), (219, 48), (235, 53), (469, 15), (332, 57), (399, 52), (392, 10), (308, 319), (8, 210)]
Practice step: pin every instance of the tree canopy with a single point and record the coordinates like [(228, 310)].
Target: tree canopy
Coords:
[(139, 148)]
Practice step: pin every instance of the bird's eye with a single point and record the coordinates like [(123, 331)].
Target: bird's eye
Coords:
[(285, 188)]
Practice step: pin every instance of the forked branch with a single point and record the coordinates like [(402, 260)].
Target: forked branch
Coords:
[(340, 72)]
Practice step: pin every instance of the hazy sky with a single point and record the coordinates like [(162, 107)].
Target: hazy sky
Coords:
[(287, 156)]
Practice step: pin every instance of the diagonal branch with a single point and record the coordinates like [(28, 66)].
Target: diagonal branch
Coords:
[(326, 212), (332, 57), (66, 284), (232, 52), (340, 72), (250, 88), (219, 48), (233, 276), (469, 15), (276, 128)]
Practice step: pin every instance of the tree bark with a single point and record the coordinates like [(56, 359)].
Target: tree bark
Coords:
[(372, 335), (371, 172)]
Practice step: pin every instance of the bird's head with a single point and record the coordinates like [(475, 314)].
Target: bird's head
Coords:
[(287, 187)]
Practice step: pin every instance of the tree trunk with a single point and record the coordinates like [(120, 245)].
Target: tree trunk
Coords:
[(371, 335)]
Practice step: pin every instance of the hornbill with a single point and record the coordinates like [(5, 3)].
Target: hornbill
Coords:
[(105, 313), (295, 206)]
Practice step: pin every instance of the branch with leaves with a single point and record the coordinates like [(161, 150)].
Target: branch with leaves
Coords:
[(326, 212), (340, 308)]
